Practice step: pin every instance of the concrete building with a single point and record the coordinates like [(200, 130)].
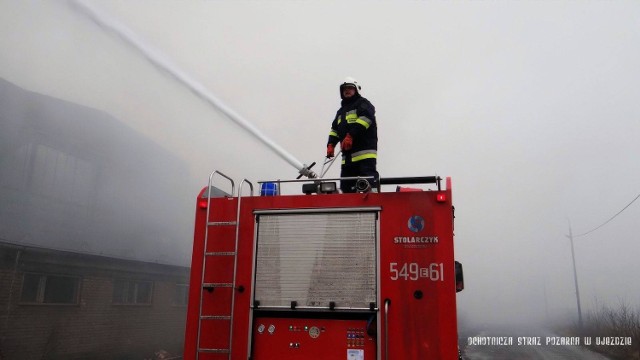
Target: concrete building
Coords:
[(95, 234), (65, 305)]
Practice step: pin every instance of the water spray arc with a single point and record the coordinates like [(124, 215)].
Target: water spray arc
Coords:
[(161, 62)]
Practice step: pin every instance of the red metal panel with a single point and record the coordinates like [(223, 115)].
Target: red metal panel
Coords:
[(292, 339), (417, 276), (191, 331), (212, 356), (215, 334), (221, 238), (219, 269), (217, 302)]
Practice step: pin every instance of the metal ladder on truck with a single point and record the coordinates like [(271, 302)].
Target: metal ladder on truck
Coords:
[(220, 319)]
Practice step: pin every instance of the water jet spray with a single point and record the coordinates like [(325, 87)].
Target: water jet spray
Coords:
[(161, 62)]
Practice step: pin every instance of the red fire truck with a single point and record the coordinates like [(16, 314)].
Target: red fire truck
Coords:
[(322, 275)]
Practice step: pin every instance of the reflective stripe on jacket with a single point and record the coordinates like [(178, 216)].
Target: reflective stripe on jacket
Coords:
[(360, 155)]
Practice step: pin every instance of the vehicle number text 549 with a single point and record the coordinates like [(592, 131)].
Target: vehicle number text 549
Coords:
[(413, 271)]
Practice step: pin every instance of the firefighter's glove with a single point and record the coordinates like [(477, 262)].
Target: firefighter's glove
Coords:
[(330, 151), (347, 142)]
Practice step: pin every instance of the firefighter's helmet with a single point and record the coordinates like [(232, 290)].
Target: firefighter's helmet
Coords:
[(349, 81)]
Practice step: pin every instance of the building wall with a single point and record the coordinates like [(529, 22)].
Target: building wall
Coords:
[(95, 327), (76, 178)]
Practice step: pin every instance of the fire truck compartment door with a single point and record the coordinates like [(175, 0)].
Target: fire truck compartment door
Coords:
[(316, 260)]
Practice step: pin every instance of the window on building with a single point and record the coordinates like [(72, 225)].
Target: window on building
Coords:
[(49, 289), (181, 295), (126, 291)]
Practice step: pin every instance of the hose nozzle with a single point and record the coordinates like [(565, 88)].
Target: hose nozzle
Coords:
[(306, 171), (363, 185)]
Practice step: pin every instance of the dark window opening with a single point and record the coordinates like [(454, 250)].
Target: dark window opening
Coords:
[(49, 289), (132, 292)]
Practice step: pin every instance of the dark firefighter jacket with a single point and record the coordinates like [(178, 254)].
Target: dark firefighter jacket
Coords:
[(356, 117)]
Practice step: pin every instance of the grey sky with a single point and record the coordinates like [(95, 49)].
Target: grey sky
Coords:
[(531, 107)]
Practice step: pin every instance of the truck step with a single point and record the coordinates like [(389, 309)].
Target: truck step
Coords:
[(222, 223), (220, 253), (214, 351), (216, 285), (215, 317)]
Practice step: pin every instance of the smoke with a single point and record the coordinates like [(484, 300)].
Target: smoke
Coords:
[(160, 61)]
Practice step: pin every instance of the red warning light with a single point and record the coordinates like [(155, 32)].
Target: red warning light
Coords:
[(202, 203), (441, 197)]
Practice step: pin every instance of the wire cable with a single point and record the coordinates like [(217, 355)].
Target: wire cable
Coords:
[(606, 222)]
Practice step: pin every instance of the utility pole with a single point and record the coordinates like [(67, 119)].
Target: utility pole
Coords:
[(575, 278)]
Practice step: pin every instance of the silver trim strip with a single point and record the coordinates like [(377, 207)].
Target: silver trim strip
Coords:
[(315, 308), (378, 288), (317, 210), (254, 251), (386, 329)]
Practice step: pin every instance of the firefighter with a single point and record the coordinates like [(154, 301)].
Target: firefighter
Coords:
[(355, 128)]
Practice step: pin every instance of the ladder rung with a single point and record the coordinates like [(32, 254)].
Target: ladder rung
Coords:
[(220, 253), (216, 285), (215, 317), (221, 223), (216, 351)]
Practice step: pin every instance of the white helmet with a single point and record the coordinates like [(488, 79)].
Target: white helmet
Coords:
[(349, 81)]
